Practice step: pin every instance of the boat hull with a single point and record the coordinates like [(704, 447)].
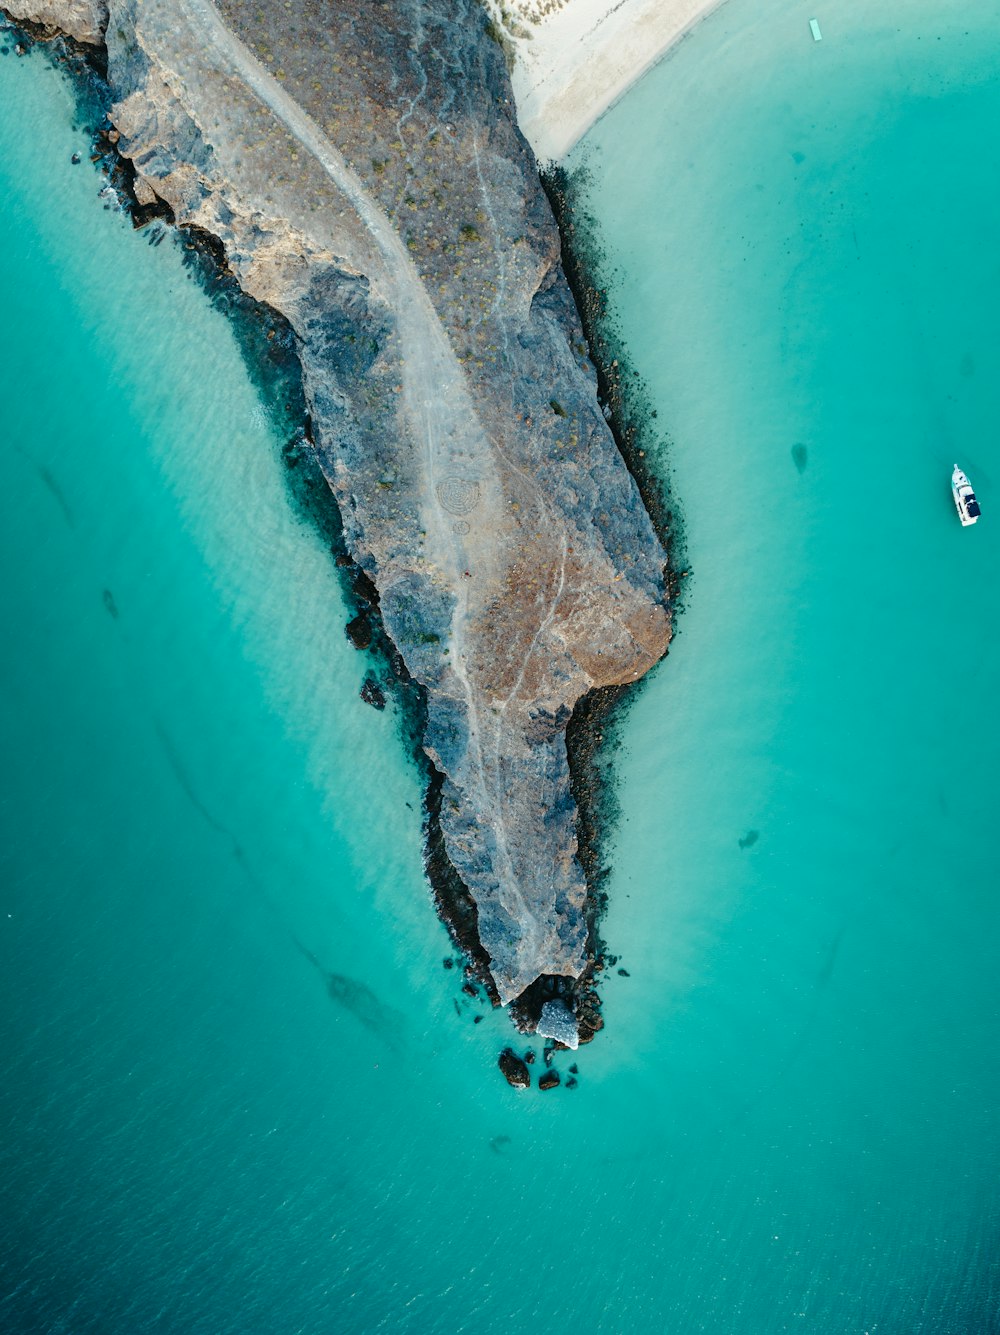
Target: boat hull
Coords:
[(964, 497)]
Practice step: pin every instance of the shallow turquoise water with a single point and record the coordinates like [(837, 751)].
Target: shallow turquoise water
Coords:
[(804, 244), (789, 1121)]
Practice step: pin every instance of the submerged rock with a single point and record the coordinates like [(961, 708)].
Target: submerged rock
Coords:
[(549, 1080), (515, 1071), (372, 693), (83, 20), (359, 631)]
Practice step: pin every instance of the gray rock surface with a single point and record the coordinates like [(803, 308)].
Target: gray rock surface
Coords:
[(558, 1021), (362, 168), (83, 20)]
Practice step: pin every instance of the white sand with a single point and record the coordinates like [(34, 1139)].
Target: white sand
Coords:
[(574, 58)]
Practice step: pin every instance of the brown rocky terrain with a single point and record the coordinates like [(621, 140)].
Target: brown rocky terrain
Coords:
[(361, 166)]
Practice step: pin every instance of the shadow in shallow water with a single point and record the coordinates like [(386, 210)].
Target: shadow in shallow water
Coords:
[(181, 775), (353, 996), (50, 484), (359, 1000)]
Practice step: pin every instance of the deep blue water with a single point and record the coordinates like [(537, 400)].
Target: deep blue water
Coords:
[(240, 1092)]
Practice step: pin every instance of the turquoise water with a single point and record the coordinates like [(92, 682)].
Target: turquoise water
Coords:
[(788, 1123)]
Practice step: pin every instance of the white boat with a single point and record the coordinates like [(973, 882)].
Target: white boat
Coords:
[(965, 498)]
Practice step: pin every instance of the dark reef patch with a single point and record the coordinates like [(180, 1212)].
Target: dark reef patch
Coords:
[(593, 731), (372, 693), (359, 630), (622, 394)]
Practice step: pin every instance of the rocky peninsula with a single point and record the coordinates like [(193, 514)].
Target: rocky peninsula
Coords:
[(361, 167)]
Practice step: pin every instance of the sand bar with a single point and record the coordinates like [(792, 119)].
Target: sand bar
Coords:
[(575, 58)]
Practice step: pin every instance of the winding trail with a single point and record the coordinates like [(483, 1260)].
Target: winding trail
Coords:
[(430, 363), (447, 433)]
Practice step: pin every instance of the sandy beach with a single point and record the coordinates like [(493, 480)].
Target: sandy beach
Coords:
[(574, 58)]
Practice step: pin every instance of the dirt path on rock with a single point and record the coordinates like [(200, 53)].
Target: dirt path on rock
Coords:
[(463, 506), (437, 401)]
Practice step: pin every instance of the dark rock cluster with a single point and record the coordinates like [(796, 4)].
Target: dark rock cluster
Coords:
[(514, 1069)]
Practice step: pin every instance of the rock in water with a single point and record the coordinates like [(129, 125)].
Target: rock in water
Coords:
[(410, 247), (514, 1069), (359, 631), (558, 1021), (549, 1080), (372, 693)]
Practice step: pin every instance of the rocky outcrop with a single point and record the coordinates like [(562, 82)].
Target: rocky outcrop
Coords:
[(514, 1070), (84, 20), (362, 169), (558, 1022)]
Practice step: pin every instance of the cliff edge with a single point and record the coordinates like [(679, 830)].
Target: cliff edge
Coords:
[(363, 171)]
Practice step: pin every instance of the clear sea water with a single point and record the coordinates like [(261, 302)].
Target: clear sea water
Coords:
[(790, 1121)]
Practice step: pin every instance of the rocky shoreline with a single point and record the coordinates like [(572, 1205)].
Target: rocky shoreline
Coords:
[(481, 851)]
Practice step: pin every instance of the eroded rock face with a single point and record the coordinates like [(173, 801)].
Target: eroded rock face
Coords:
[(363, 171), (83, 20)]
